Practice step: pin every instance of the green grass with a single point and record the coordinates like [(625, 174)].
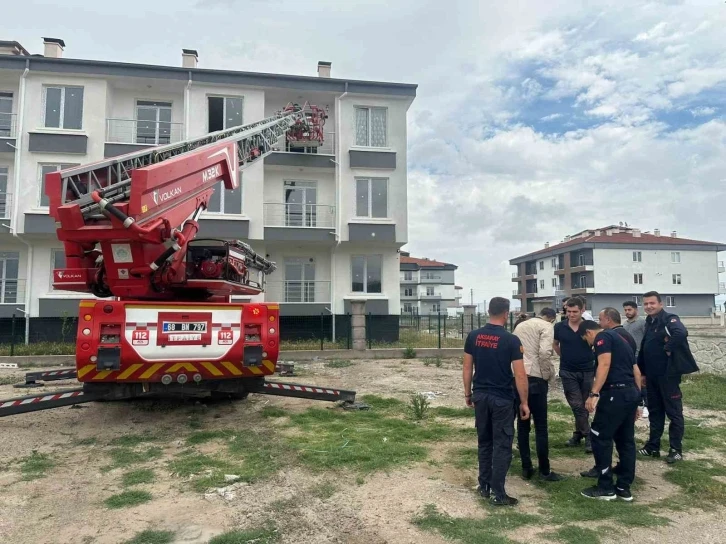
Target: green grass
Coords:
[(339, 363), (267, 535), (127, 499), (200, 437), (35, 466), (123, 457), (697, 483), (572, 534), (324, 490), (490, 530), (704, 391), (10, 380), (273, 411), (39, 348), (152, 537), (446, 411), (136, 477)]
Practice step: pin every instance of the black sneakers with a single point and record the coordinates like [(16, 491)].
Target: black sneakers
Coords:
[(648, 453), (674, 456), (592, 473), (506, 500), (588, 446), (597, 493), (485, 492), (624, 494), (574, 441), (552, 477), (527, 473)]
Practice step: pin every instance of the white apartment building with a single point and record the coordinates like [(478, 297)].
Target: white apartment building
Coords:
[(332, 218), (428, 286), (615, 264)]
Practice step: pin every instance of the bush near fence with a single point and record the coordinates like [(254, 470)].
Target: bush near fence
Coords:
[(311, 332)]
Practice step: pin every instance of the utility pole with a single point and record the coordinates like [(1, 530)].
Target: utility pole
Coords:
[(471, 296)]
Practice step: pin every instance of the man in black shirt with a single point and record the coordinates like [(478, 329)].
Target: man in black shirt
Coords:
[(609, 318), (576, 369), (663, 358), (495, 356), (616, 380)]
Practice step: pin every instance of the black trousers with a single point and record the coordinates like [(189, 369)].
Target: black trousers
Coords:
[(614, 421), (495, 433), (537, 400), (665, 399), (577, 387)]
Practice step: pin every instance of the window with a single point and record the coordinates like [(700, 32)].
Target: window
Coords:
[(370, 127), (9, 265), (637, 257), (57, 260), (429, 291), (554, 282), (44, 201), (299, 279), (153, 122), (554, 262), (541, 284), (638, 300), (367, 271), (580, 259), (63, 107), (408, 292), (541, 265), (638, 278), (675, 256), (4, 200), (671, 302), (224, 112), (407, 308), (301, 198), (676, 279), (6, 114), (371, 197), (436, 308), (408, 276), (224, 201)]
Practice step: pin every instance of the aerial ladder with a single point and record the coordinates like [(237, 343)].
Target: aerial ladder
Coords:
[(163, 319)]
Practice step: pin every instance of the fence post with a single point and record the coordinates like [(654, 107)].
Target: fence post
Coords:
[(471, 320), (446, 318), (322, 332), (12, 336), (462, 325), (478, 316), (368, 331), (350, 329), (439, 314)]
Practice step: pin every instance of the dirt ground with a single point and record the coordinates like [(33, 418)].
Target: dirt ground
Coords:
[(67, 504)]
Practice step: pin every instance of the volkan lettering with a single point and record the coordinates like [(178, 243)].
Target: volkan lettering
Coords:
[(163, 196)]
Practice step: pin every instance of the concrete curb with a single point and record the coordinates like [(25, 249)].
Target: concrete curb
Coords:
[(31, 361)]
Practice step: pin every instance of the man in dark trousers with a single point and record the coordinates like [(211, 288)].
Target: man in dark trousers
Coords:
[(663, 358), (495, 356), (576, 369), (616, 395), (536, 335)]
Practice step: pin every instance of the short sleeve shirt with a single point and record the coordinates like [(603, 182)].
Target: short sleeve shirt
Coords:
[(494, 349), (576, 353), (622, 357)]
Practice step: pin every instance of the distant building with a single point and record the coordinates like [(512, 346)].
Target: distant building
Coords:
[(614, 264), (427, 286)]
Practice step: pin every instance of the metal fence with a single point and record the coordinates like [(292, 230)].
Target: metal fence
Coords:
[(305, 332)]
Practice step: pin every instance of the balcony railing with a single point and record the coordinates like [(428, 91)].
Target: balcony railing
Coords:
[(584, 261), (409, 297), (299, 215), (431, 279), (134, 131), (435, 296), (409, 280), (721, 267), (12, 291), (302, 292), (722, 288), (8, 125), (327, 147), (6, 205), (589, 284)]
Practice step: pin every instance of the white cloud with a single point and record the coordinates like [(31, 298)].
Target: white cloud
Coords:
[(703, 111)]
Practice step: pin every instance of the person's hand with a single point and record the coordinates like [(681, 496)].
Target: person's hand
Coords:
[(524, 411), (591, 403), (642, 381), (638, 413), (469, 403)]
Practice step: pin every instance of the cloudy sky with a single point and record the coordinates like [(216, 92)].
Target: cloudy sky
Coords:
[(534, 119)]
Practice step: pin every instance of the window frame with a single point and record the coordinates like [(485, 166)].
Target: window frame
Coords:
[(554, 262), (554, 283), (157, 105), (637, 277), (541, 265), (637, 256), (675, 254), (541, 284), (368, 144), (670, 301), (369, 180), (224, 98), (638, 299), (677, 279), (222, 192), (41, 179), (365, 258), (61, 119)]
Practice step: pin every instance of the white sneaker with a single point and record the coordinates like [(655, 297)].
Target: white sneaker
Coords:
[(645, 412)]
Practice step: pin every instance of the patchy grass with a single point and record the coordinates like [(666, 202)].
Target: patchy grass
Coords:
[(136, 477), (35, 466), (10, 380), (267, 535), (201, 437), (123, 457), (90, 441), (152, 537), (447, 411), (339, 363), (127, 499), (132, 440), (704, 391), (418, 406), (697, 483), (572, 534), (39, 348), (324, 490), (273, 411), (490, 530)]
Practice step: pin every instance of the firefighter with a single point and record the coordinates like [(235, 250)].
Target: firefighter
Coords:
[(495, 356), (617, 381)]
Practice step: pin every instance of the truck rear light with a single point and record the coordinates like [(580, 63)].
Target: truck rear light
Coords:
[(110, 333)]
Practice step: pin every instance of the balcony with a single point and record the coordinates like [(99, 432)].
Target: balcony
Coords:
[(6, 205), (299, 222), (409, 297), (320, 156), (721, 267), (410, 280), (431, 279), (722, 288), (581, 288), (8, 125), (128, 135), (435, 296), (12, 291), (298, 292)]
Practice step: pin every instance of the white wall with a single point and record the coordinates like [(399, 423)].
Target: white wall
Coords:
[(275, 178), (390, 285), (614, 269), (547, 274), (397, 184)]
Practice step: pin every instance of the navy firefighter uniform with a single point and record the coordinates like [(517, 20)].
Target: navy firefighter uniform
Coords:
[(493, 350), (615, 416)]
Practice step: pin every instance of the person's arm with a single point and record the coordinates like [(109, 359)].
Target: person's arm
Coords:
[(556, 343), (638, 377), (677, 333), (520, 376), (546, 343), (603, 352), (468, 373)]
